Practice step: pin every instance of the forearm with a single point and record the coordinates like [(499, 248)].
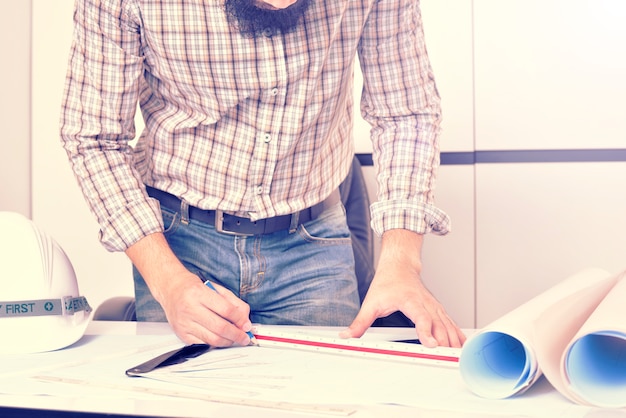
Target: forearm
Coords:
[(157, 263)]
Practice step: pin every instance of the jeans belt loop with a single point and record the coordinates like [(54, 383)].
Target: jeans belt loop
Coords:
[(294, 222), (184, 212)]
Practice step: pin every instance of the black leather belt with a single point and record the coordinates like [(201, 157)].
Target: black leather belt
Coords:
[(237, 225)]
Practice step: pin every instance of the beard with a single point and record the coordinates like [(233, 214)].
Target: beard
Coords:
[(253, 20)]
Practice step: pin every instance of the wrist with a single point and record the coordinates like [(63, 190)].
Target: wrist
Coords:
[(402, 246)]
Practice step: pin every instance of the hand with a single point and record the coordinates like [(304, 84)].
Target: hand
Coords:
[(199, 314), (397, 286), (196, 313)]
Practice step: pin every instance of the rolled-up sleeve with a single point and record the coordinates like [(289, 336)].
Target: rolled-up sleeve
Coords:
[(401, 102), (97, 120)]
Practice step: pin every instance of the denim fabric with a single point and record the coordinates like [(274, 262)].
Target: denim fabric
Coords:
[(301, 278)]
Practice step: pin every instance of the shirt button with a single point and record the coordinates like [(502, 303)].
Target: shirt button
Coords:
[(268, 32), (267, 138), (274, 91), (258, 190)]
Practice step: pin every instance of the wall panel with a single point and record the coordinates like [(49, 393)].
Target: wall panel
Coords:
[(550, 74), (536, 224), (58, 205), (15, 164)]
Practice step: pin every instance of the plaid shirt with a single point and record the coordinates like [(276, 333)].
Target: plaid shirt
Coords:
[(253, 126)]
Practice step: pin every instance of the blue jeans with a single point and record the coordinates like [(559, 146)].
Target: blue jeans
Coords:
[(302, 278)]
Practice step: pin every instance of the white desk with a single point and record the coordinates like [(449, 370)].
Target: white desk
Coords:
[(124, 343)]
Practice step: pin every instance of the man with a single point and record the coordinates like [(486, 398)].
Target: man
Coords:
[(248, 133)]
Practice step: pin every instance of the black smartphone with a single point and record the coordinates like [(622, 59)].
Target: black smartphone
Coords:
[(410, 341)]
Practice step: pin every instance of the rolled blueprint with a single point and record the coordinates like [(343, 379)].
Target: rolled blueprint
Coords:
[(573, 333), (590, 368)]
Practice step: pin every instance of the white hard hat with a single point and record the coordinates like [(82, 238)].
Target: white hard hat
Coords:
[(40, 307)]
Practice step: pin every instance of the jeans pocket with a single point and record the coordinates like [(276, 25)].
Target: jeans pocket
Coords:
[(329, 228), (171, 220)]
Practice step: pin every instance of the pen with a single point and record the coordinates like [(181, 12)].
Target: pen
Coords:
[(208, 284)]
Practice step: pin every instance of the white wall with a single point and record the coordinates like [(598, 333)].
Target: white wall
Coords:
[(57, 204), (15, 169), (549, 75), (514, 75)]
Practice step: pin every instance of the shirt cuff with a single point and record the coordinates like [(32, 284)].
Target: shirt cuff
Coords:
[(416, 217), (127, 226)]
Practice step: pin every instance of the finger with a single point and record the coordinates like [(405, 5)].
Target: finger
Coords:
[(240, 316), (188, 337), (446, 331), (217, 331), (200, 336), (462, 337), (456, 337), (232, 315), (423, 321), (222, 331), (423, 327), (440, 332), (364, 319)]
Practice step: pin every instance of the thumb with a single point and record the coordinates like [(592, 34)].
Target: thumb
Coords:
[(361, 323)]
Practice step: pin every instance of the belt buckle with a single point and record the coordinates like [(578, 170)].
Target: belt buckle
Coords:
[(219, 225)]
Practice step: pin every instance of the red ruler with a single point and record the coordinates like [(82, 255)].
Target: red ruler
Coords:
[(388, 350)]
